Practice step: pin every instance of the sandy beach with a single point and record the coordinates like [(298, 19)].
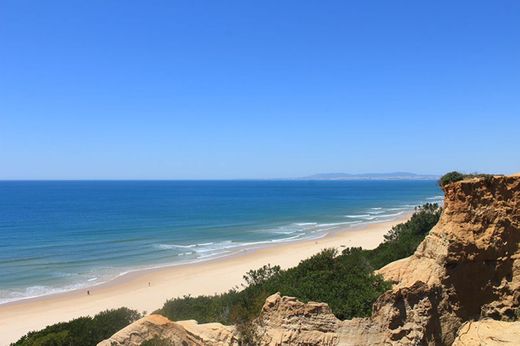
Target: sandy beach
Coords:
[(148, 290)]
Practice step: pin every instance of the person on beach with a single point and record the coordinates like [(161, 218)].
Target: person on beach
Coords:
[(88, 292)]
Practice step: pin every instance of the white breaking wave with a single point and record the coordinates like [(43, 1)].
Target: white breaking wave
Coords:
[(390, 215), (175, 246), (306, 223), (375, 212), (7, 296), (339, 223)]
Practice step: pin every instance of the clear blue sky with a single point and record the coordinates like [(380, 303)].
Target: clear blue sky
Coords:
[(257, 89)]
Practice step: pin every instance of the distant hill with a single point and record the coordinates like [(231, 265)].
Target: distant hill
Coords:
[(370, 176)]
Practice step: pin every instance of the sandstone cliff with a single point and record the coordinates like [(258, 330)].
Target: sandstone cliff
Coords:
[(467, 269), (177, 333), (470, 261), (489, 333)]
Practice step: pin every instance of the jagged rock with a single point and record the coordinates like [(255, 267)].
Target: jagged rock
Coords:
[(177, 333), (145, 329), (489, 333), (211, 333), (287, 321)]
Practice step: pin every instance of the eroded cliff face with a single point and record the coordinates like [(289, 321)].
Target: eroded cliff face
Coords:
[(471, 258), (467, 268)]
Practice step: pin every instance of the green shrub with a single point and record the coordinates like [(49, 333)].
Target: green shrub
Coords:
[(346, 282), (216, 308), (450, 177), (82, 331), (402, 240), (261, 275)]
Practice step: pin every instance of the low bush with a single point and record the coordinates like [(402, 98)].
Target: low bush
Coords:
[(450, 177), (402, 240), (82, 331), (454, 176)]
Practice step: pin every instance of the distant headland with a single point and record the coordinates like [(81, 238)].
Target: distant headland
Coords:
[(370, 176)]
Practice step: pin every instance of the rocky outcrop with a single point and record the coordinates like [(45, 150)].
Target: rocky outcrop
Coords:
[(470, 259), (283, 321), (176, 333), (489, 333), (467, 269), (287, 321)]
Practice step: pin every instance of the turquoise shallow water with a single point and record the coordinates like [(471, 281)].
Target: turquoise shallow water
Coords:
[(61, 235)]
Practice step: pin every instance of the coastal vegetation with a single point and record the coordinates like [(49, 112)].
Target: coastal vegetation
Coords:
[(82, 331), (345, 280), (455, 176)]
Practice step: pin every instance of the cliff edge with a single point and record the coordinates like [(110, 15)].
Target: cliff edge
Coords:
[(471, 258)]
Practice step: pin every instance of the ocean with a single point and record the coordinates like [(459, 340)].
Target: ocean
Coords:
[(57, 236)]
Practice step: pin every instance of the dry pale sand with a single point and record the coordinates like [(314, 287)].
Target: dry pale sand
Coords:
[(133, 290)]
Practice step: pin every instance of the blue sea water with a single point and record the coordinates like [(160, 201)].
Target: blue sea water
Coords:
[(62, 235)]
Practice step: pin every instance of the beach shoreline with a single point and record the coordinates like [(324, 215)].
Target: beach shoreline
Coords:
[(147, 290)]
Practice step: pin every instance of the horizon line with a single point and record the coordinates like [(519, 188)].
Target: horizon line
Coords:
[(211, 179)]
